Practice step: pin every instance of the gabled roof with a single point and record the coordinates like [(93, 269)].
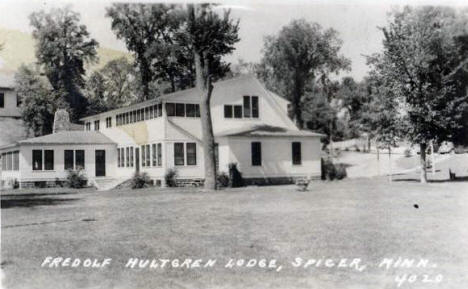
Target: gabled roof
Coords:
[(267, 130), (70, 137)]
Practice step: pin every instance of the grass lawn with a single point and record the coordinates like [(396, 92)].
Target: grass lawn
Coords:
[(357, 218)]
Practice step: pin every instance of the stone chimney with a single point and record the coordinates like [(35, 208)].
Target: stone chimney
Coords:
[(61, 121)]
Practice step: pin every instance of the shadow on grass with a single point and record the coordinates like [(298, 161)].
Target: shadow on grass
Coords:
[(28, 202), (416, 180), (35, 194)]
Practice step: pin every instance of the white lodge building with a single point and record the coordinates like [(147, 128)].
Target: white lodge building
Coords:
[(250, 124)]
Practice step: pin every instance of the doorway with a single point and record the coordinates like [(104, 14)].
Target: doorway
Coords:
[(100, 163)]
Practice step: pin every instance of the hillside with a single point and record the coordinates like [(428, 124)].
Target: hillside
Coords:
[(18, 48)]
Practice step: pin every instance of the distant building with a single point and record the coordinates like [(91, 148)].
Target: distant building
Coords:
[(11, 125), (250, 123)]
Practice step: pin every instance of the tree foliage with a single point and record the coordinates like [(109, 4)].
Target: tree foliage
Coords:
[(302, 52), (63, 47), (156, 34), (113, 86), (424, 53), (39, 100)]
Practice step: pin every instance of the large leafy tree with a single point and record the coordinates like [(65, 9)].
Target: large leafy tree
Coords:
[(301, 53), (113, 86), (39, 100), (149, 32), (211, 36), (163, 52), (63, 47), (422, 57)]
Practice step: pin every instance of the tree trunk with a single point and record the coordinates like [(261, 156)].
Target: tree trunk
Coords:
[(298, 91), (390, 164), (203, 83), (422, 148), (432, 158)]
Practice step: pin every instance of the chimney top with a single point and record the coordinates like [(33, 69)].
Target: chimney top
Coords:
[(61, 121)]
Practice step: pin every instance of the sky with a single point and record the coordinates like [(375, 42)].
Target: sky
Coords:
[(356, 21)]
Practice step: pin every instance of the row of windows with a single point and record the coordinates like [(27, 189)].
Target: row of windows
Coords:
[(151, 155), (256, 153), (10, 161), (141, 114), (183, 109), (43, 160), (74, 159), (249, 109)]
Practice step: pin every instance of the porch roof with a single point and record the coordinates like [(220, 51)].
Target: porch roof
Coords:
[(267, 130), (70, 137)]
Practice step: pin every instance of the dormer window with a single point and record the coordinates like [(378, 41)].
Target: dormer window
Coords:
[(248, 109)]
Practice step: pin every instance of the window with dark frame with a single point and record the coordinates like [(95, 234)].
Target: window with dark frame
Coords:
[(159, 154), (237, 111), (246, 106), (79, 159), (96, 125), (143, 156), (37, 160), (9, 161), (180, 109), (191, 153), (255, 110), (127, 160), (228, 111), (88, 126), (118, 157), (2, 100), (148, 156), (69, 159), (256, 153), (179, 154), (122, 157), (131, 156), (16, 160), (160, 110), (154, 154), (170, 109), (190, 110), (296, 153), (48, 160)]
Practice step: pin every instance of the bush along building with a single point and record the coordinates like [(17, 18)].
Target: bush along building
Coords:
[(251, 127)]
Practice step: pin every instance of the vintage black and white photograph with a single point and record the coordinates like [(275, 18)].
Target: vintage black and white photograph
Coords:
[(234, 144)]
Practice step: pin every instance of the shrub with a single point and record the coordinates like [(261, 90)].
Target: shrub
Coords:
[(222, 180), (331, 171), (235, 176), (170, 177), (407, 153), (459, 149), (340, 171), (76, 179), (140, 180)]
